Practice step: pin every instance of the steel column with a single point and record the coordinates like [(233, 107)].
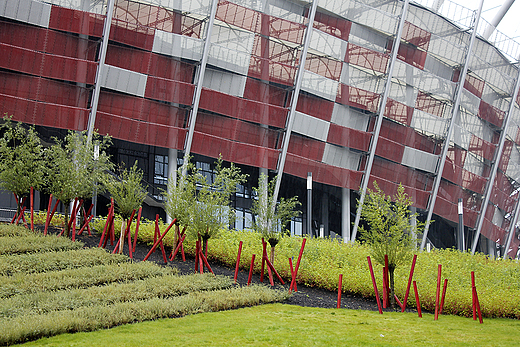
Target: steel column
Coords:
[(375, 136), (294, 101), (198, 88), (100, 68), (496, 161), (454, 114), (512, 228)]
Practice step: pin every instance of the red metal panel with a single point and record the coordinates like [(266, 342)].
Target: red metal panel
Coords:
[(266, 93), (252, 21), (493, 232), (358, 98), (482, 148), (148, 15), (315, 106), (456, 156), (364, 57), (471, 84), (238, 153), (306, 147), (348, 137), (168, 90), (447, 209), (236, 107), (79, 22), (51, 115), (502, 199), (335, 26), (268, 70), (323, 66), (416, 36), (427, 103), (322, 173), (171, 68), (515, 243), (418, 196), (398, 112), (506, 155), (236, 130), (409, 137), (132, 34), (390, 150), (397, 173), (464, 178), (40, 89), (490, 113)]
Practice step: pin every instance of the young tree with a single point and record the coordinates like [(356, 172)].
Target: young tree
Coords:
[(128, 193), (211, 210), (271, 217), (390, 229), (73, 170), (21, 160)]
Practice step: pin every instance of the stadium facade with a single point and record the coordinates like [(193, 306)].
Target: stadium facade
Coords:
[(352, 92)]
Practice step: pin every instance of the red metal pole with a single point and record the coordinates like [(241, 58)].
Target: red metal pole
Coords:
[(238, 260), (473, 298), (107, 225), (292, 274), (385, 289), (443, 295), (181, 240), (53, 211), (417, 301), (271, 268), (84, 225), (251, 270), (387, 280), (205, 260), (48, 214), (160, 239), (263, 261), (340, 286), (437, 296), (375, 285), (137, 227), (32, 208), (398, 301), (293, 280), (15, 214), (478, 305), (196, 256), (409, 282)]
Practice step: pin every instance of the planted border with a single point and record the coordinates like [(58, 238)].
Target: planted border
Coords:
[(35, 243)]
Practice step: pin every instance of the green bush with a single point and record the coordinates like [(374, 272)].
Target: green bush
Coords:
[(33, 243), (145, 289), (54, 261), (79, 278), (30, 327)]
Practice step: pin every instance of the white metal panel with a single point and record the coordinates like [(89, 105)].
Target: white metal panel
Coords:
[(447, 51), (470, 102), (225, 82), (177, 45), (405, 94), (437, 67), (82, 5), (513, 167), (287, 10), (474, 165), (310, 126), (368, 38), (192, 6), (428, 123), (28, 11), (123, 80), (495, 99), (419, 160), (319, 85), (341, 157), (328, 44), (460, 136), (349, 117), (475, 125), (355, 77)]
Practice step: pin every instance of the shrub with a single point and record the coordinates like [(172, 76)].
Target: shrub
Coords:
[(32, 243)]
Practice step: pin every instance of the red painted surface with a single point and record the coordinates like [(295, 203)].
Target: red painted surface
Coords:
[(410, 277), (238, 260), (376, 292)]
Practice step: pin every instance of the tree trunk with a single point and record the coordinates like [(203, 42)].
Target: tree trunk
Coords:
[(392, 296), (205, 246), (272, 255), (18, 208)]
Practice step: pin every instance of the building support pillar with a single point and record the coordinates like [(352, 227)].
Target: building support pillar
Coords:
[(454, 114), (172, 174), (377, 129), (324, 225), (345, 214)]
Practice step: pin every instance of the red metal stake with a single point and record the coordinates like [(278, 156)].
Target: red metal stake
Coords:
[(473, 298), (160, 239), (271, 268), (293, 280), (205, 260), (178, 247), (443, 295), (292, 274), (251, 270), (478, 305), (15, 214), (385, 289), (375, 285), (52, 213), (263, 261), (387, 280), (137, 227), (121, 241), (196, 256), (238, 260), (409, 282), (340, 286), (417, 301), (157, 233), (437, 296), (398, 301), (85, 225), (32, 208), (48, 214), (107, 227)]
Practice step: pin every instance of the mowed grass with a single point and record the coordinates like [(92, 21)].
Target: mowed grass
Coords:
[(287, 325)]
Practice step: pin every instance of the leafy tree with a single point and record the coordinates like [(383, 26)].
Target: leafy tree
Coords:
[(21, 160), (390, 231), (271, 217), (128, 194), (211, 209), (73, 171)]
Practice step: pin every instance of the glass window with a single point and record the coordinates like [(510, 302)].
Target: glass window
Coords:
[(161, 170)]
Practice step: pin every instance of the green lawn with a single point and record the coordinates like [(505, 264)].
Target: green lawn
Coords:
[(286, 325)]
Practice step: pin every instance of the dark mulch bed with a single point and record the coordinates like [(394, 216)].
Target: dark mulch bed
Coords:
[(305, 296)]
